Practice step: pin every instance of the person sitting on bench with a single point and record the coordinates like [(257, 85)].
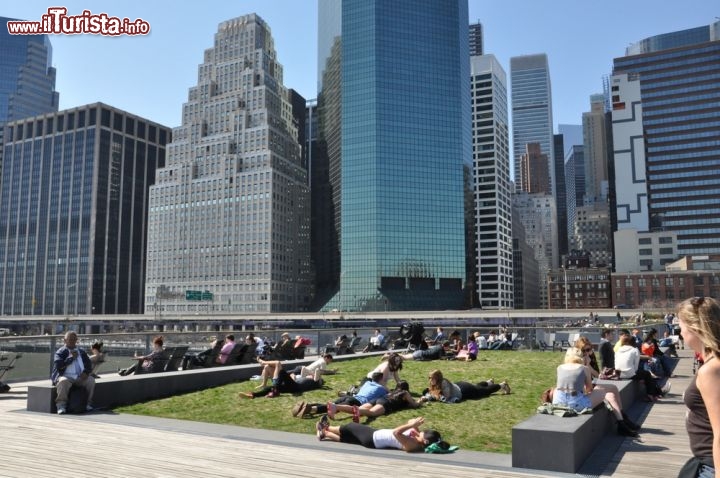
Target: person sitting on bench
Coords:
[(145, 363), (71, 366)]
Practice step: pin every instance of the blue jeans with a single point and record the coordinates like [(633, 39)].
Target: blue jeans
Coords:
[(706, 472)]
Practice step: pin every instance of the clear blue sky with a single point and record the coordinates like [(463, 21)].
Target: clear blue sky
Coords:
[(150, 75)]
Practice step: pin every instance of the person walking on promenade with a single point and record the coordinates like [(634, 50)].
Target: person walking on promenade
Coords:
[(700, 327)]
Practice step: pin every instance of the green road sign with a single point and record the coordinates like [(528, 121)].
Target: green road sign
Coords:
[(207, 295), (193, 295)]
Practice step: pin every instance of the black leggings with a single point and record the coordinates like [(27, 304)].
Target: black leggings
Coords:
[(474, 392), (357, 434), (651, 386)]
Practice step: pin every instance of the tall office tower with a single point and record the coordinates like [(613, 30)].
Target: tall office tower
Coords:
[(73, 222), (229, 215), (491, 172), (537, 214), (559, 165), (629, 154), (394, 110), (531, 111), (534, 172), (27, 79), (676, 74), (526, 273), (595, 140), (574, 188), (476, 39)]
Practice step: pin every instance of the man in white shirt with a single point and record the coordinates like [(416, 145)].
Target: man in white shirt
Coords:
[(316, 369)]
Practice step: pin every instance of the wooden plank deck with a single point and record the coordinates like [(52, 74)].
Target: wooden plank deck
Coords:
[(106, 444)]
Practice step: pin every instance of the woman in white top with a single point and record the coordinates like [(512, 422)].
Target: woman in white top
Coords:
[(407, 437), (627, 361), (390, 367)]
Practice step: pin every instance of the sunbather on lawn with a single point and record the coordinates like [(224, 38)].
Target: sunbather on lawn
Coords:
[(368, 393), (396, 400), (406, 437), (282, 382), (444, 390)]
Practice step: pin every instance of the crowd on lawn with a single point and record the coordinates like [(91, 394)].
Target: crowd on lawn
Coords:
[(633, 356)]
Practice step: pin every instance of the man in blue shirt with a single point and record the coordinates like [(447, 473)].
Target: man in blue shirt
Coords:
[(368, 392)]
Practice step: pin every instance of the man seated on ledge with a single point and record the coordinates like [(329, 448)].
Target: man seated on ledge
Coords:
[(71, 366)]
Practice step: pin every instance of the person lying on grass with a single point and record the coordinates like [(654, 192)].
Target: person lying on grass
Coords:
[(282, 382), (443, 390), (368, 393), (406, 437), (396, 400)]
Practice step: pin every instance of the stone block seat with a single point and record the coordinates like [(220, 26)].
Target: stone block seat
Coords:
[(562, 444)]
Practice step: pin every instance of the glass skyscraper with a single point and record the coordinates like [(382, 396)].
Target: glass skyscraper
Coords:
[(394, 110), (531, 112), (678, 75), (27, 79), (73, 221), (229, 220)]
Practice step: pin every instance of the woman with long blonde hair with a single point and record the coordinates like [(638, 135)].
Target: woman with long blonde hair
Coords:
[(700, 327), (574, 389)]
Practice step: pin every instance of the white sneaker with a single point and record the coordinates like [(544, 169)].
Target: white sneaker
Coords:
[(61, 411), (89, 408), (505, 388), (666, 388)]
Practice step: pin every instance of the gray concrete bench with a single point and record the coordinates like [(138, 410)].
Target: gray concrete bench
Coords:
[(114, 390), (549, 442)]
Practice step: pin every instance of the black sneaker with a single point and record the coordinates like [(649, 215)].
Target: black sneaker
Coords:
[(624, 430)]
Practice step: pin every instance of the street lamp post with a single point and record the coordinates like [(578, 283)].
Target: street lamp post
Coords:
[(66, 297), (565, 284)]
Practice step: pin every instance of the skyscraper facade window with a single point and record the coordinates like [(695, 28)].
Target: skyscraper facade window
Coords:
[(229, 214), (397, 134), (73, 221), (491, 163), (680, 100)]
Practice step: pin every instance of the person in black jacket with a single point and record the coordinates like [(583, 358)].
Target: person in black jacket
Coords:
[(607, 353)]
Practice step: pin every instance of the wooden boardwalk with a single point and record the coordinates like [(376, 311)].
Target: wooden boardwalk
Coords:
[(111, 445)]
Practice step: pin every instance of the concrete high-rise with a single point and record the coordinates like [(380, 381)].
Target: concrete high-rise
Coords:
[(394, 110), (229, 215), (536, 213), (73, 221), (574, 188), (534, 170), (531, 111), (595, 140), (666, 105), (492, 187)]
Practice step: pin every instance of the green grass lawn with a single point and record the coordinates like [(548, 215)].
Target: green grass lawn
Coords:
[(482, 425)]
